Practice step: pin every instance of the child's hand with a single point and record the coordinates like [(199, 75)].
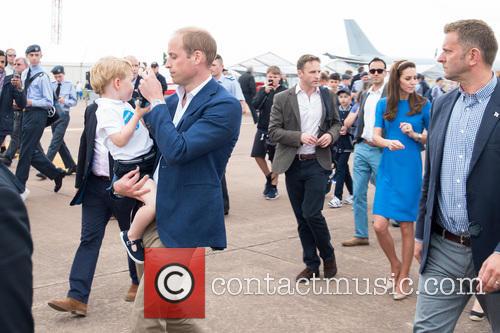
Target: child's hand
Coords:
[(141, 111)]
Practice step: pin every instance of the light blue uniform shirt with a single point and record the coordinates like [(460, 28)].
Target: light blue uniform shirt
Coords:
[(67, 92), (232, 85), (40, 92)]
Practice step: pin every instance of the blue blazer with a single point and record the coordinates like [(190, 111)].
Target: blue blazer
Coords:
[(483, 181), (189, 205)]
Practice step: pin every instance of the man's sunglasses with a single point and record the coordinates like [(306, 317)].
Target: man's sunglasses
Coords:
[(378, 70)]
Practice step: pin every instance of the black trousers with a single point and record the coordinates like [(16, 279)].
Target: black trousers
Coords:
[(31, 151), (306, 183)]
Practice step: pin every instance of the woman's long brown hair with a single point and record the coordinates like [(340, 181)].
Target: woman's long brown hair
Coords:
[(416, 101)]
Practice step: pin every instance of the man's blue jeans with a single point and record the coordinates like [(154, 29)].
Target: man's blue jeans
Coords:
[(366, 162)]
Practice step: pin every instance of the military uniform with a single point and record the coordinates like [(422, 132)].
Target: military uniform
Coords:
[(37, 89), (65, 90), (231, 85)]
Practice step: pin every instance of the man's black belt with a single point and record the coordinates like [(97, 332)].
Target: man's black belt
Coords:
[(140, 159), (304, 157), (34, 108), (105, 178), (463, 240)]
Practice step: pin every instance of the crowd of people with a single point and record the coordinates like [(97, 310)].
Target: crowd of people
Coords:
[(138, 148)]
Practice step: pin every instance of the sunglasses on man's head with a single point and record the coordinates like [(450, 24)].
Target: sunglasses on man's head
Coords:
[(377, 70)]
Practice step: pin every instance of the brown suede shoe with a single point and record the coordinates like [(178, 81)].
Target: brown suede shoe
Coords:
[(330, 268), (69, 304), (307, 274), (132, 291), (355, 241)]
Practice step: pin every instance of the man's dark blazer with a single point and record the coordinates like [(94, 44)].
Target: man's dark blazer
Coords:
[(16, 271), (285, 128), (483, 181), (86, 154), (247, 83), (8, 95), (189, 205)]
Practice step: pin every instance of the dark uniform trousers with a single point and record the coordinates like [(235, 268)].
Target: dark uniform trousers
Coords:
[(97, 208), (57, 145), (15, 138), (31, 152)]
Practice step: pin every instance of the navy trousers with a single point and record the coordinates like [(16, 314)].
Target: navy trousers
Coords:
[(31, 151), (15, 137), (342, 175), (57, 144), (97, 208)]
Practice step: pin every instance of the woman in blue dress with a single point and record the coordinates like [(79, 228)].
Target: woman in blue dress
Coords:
[(400, 121)]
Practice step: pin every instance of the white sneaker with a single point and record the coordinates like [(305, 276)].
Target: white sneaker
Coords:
[(25, 194), (349, 200), (335, 203)]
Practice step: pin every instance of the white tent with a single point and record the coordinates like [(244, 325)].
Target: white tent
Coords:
[(261, 62), (338, 66)]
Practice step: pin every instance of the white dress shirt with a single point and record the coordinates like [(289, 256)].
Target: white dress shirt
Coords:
[(311, 110), (179, 112), (100, 162)]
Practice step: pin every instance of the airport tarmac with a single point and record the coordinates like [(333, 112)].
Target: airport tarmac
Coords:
[(262, 240)]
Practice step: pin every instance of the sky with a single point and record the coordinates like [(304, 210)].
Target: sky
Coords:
[(95, 28)]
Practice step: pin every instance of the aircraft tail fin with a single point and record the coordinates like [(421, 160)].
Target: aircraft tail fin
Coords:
[(359, 44)]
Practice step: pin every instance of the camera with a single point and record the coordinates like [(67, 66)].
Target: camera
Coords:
[(143, 102), (270, 82)]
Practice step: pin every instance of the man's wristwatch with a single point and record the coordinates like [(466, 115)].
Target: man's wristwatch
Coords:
[(116, 194), (157, 101)]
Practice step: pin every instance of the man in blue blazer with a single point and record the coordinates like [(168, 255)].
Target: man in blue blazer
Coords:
[(458, 228), (195, 131)]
